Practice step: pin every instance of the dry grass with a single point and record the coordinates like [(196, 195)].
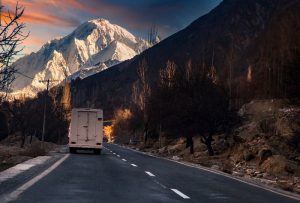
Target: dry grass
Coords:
[(34, 150), (11, 153)]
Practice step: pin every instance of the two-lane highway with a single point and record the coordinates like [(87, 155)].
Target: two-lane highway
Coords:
[(123, 175)]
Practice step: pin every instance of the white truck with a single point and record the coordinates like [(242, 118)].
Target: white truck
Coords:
[(86, 130)]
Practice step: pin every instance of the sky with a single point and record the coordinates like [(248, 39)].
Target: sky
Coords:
[(48, 19)]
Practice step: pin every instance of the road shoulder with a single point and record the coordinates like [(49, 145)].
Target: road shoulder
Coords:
[(20, 174), (218, 172)]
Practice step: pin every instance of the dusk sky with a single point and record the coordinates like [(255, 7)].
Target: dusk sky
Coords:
[(47, 19)]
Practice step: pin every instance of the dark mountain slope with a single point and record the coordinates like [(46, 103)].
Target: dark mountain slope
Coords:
[(237, 38)]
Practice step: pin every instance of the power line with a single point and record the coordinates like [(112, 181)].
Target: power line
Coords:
[(43, 81), (25, 75)]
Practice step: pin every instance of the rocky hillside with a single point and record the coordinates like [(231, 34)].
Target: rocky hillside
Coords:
[(264, 146), (252, 47), (91, 48)]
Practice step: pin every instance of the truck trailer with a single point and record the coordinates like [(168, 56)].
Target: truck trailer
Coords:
[(86, 130)]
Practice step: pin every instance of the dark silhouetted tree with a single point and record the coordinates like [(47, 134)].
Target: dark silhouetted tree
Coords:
[(11, 36)]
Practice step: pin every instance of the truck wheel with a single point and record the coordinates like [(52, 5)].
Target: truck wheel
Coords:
[(97, 151), (72, 150)]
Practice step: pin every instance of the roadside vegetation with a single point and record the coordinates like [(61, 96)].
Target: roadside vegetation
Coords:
[(20, 119), (189, 115)]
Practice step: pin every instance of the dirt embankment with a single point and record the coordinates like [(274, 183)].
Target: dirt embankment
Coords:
[(12, 154), (265, 147)]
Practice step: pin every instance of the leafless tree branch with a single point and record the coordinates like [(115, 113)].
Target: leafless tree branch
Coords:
[(11, 36)]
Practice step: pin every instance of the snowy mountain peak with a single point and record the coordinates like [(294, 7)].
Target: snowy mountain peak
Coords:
[(92, 47), (99, 20)]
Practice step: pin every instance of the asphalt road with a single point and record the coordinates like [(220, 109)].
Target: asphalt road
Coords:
[(122, 175)]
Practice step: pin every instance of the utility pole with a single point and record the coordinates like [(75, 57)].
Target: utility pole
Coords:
[(45, 108)]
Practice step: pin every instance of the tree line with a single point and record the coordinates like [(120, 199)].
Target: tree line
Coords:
[(186, 101)]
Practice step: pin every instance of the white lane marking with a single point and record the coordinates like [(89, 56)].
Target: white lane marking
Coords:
[(118, 155), (161, 185), (133, 165), (124, 160), (149, 173), (180, 194), (14, 195), (13, 171), (114, 153), (199, 167)]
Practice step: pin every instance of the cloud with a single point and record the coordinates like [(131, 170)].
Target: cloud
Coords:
[(43, 12), (34, 40), (57, 17), (49, 19)]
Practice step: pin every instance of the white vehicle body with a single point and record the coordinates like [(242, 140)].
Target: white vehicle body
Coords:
[(86, 129)]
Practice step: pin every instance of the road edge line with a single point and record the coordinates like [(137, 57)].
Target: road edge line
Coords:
[(258, 185)]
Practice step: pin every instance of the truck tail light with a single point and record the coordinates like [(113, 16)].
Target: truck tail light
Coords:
[(73, 142)]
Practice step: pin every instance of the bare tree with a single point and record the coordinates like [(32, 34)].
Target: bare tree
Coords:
[(153, 35), (143, 84), (167, 75), (11, 36), (141, 92), (212, 72)]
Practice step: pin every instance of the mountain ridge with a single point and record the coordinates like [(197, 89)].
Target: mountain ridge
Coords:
[(227, 39), (61, 57)]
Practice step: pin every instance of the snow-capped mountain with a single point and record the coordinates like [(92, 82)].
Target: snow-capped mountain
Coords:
[(94, 46)]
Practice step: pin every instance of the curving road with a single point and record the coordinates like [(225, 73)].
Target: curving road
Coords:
[(123, 175)]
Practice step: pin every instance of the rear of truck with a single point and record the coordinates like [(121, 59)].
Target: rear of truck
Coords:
[(86, 130)]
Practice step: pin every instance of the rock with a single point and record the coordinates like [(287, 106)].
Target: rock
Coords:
[(162, 150), (249, 171), (176, 148), (265, 175), (181, 141), (198, 144), (215, 167), (176, 158), (227, 166), (264, 154), (248, 156), (278, 165), (297, 158), (257, 172), (185, 153), (237, 173), (200, 154), (259, 175)]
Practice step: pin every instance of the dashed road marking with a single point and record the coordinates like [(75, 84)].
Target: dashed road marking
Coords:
[(118, 155), (133, 165), (149, 173), (124, 160), (114, 153), (180, 194), (161, 185)]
